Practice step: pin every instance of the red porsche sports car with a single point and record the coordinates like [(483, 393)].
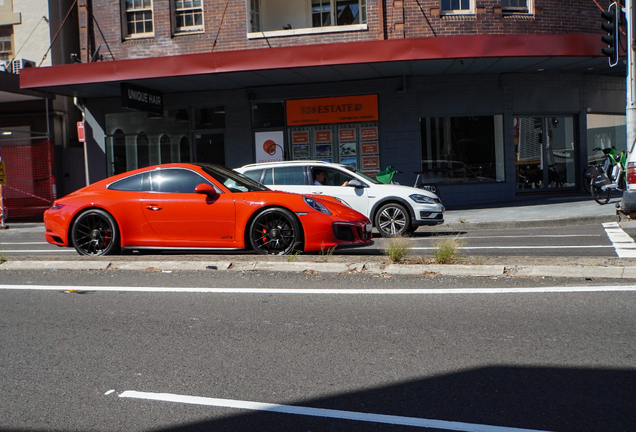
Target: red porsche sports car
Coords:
[(199, 207)]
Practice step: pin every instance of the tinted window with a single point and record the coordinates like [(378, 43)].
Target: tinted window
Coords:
[(136, 183), (289, 175), (254, 175), (232, 180), (176, 181), (267, 178)]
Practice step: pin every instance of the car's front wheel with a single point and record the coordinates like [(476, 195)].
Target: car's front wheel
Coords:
[(275, 231), (393, 220), (95, 233)]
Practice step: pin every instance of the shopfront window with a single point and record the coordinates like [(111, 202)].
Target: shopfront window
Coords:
[(545, 152), (462, 149), (605, 131), (136, 140)]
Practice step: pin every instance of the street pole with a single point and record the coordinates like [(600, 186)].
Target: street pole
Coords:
[(630, 111)]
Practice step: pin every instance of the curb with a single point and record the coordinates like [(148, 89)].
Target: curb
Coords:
[(591, 272), (535, 223)]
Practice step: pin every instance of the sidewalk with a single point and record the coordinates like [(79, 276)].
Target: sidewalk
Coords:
[(545, 211)]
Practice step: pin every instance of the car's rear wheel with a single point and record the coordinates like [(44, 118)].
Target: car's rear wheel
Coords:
[(393, 220), (95, 233), (275, 231)]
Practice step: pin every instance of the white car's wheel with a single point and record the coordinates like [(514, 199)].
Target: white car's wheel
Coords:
[(393, 220)]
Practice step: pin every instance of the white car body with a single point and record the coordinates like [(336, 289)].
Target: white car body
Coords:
[(369, 197)]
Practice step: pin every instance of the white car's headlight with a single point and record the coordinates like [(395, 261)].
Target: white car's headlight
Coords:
[(422, 199), (316, 205)]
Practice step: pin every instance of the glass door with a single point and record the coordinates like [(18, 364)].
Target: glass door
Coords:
[(209, 147), (545, 152)]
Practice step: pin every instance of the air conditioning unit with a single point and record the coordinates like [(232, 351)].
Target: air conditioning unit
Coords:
[(18, 64)]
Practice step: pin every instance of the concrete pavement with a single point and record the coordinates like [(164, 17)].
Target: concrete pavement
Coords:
[(544, 211)]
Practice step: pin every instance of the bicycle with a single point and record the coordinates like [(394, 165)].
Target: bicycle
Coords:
[(386, 176), (608, 176)]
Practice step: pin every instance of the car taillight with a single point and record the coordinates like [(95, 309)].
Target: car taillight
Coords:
[(631, 173)]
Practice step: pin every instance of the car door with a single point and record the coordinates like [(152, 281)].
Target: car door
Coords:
[(184, 218), (336, 185)]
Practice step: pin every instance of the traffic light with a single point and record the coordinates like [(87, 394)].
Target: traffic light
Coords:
[(611, 38)]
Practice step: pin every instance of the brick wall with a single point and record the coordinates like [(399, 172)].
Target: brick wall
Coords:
[(225, 23)]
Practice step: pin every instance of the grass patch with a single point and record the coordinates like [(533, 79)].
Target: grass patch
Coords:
[(3, 257), (398, 248), (326, 253), (447, 250)]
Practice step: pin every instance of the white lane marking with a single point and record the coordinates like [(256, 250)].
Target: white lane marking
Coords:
[(36, 250), (623, 244), (383, 291), (23, 243), (321, 412), (515, 237), (109, 392), (525, 247)]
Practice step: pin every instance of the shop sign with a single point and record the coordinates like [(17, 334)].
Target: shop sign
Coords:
[(269, 146), (81, 135), (141, 98), (344, 109)]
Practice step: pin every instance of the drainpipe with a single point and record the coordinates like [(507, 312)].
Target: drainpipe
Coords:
[(82, 110)]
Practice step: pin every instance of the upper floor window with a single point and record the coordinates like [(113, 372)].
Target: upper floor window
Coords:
[(139, 18), (338, 12), (255, 15), (6, 47), (516, 6), (188, 15), (457, 6)]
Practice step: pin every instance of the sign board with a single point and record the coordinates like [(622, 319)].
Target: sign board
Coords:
[(3, 174), (81, 136), (269, 146), (141, 98), (344, 109)]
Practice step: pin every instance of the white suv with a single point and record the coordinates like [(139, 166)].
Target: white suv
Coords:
[(395, 210)]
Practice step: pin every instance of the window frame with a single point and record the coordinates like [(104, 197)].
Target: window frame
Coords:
[(183, 30), (124, 20), (517, 10), (451, 11), (333, 13)]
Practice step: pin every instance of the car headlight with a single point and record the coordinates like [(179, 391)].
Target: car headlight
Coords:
[(343, 202), (422, 199), (316, 205)]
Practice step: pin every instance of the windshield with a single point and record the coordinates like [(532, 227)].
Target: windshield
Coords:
[(233, 180), (367, 178)]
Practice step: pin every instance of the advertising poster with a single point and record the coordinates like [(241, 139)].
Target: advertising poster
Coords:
[(369, 148), (323, 136), (370, 163), (323, 151), (348, 134), (269, 146), (369, 133), (300, 151), (300, 137)]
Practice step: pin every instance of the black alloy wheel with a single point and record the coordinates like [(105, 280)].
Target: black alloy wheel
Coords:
[(600, 196), (393, 220), (275, 231), (95, 233)]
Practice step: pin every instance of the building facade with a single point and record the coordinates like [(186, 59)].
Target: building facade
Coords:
[(492, 100)]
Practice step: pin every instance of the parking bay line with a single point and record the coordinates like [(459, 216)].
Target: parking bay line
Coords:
[(524, 247), (321, 412), (621, 241)]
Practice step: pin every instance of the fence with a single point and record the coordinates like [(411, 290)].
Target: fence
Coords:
[(30, 184)]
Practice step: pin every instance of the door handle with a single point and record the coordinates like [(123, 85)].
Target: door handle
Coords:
[(153, 207), (316, 192)]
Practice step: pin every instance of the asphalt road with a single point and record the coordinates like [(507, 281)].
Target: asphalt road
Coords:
[(583, 241), (488, 361)]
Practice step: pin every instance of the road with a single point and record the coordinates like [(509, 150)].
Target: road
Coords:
[(492, 361), (583, 241)]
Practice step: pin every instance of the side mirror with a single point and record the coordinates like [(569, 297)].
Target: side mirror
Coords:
[(206, 189), (355, 184)]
